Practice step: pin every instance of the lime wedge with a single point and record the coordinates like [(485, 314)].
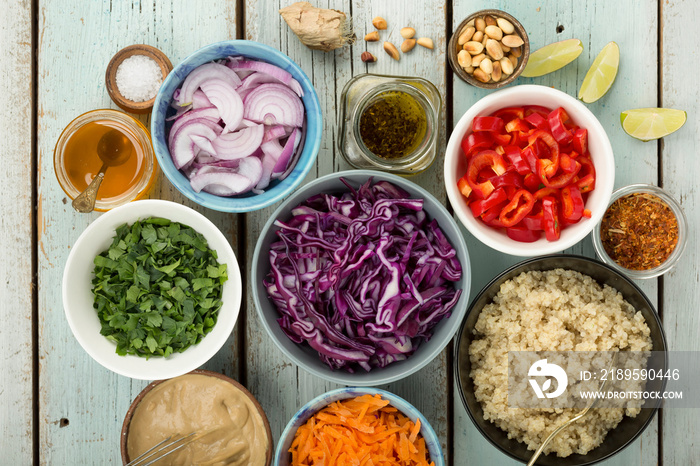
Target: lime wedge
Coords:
[(646, 124), (552, 57), (601, 75)]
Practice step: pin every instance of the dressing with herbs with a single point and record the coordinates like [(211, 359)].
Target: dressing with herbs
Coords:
[(393, 125)]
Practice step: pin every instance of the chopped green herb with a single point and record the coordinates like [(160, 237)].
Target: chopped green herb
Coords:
[(157, 288)]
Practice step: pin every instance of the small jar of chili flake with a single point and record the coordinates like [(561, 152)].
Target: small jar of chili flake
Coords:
[(643, 232), (389, 123)]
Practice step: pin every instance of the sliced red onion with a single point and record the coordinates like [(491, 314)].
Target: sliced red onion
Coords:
[(268, 163), (204, 73), (204, 144), (182, 148), (272, 148), (274, 104), (286, 153), (274, 71), (274, 132), (199, 100), (226, 100), (239, 144), (297, 152), (203, 113), (220, 181), (251, 168)]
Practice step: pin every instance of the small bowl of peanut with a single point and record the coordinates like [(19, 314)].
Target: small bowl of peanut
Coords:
[(489, 49)]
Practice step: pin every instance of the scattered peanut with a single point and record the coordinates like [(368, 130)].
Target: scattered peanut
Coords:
[(379, 23), (494, 32), (426, 42), (506, 66), (512, 40), (372, 36), (476, 59), (493, 48), (367, 57), (489, 48), (408, 45), (486, 65), (408, 33), (464, 59), (392, 51), (466, 36), (505, 25)]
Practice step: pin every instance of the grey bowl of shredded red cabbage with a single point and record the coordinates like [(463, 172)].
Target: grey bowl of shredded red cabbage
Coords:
[(361, 277)]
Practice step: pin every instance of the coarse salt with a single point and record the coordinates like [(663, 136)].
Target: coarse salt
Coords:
[(138, 78)]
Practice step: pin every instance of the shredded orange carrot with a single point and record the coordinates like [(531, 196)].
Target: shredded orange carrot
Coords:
[(363, 431)]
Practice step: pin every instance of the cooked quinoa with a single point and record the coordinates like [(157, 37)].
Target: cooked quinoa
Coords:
[(557, 310)]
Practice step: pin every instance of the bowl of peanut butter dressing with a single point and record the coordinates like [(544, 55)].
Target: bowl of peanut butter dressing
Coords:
[(231, 426)]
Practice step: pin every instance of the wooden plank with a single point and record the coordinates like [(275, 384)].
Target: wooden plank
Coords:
[(680, 171), (16, 274), (329, 72), (595, 24), (82, 404)]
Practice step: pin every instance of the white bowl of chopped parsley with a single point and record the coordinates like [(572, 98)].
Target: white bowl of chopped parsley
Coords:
[(152, 289)]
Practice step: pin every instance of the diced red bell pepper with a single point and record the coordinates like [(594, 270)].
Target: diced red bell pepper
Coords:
[(502, 139), (523, 234), (463, 186), (537, 120), (496, 197), (543, 192), (475, 141), (480, 161), (586, 176), (508, 113), (487, 123), (532, 182), (492, 214), (580, 141), (567, 163), (538, 109), (551, 164), (558, 181), (534, 221), (509, 178), (492, 222), (515, 156), (550, 218), (530, 157), (500, 150), (516, 124), (517, 208), (587, 213), (571, 204), (556, 121)]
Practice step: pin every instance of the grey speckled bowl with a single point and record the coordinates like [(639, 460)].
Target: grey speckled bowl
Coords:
[(303, 355), (617, 439)]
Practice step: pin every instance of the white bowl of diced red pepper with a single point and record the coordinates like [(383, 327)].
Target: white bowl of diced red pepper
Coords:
[(529, 170)]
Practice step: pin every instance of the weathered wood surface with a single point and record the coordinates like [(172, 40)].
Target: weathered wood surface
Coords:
[(16, 247), (81, 405)]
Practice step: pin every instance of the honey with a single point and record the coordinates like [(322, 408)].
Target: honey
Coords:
[(82, 162), (76, 160)]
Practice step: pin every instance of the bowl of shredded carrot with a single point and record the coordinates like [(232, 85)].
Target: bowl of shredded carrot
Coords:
[(350, 426)]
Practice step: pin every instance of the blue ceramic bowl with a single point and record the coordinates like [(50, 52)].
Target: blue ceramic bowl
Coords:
[(278, 189), (432, 443), (303, 355)]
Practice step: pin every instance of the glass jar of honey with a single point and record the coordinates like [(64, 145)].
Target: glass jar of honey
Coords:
[(77, 162), (389, 123)]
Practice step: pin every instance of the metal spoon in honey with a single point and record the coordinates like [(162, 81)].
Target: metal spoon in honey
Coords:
[(114, 148)]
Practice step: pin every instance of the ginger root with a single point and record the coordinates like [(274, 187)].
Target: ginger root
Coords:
[(318, 28)]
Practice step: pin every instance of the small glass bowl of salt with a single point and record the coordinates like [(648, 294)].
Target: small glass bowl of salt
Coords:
[(134, 76)]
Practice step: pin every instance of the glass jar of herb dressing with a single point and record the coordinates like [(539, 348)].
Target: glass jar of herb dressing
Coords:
[(389, 123)]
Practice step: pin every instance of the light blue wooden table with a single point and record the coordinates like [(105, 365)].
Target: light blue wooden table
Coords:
[(59, 407)]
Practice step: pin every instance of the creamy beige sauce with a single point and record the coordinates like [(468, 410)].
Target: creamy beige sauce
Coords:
[(230, 430)]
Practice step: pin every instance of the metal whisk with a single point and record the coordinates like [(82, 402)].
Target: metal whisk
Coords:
[(162, 449)]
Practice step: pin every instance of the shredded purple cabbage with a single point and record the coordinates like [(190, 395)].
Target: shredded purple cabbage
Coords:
[(362, 277)]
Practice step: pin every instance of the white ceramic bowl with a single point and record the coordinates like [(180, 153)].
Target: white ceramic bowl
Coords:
[(78, 298), (598, 145)]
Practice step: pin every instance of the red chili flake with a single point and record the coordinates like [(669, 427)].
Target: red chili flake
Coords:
[(639, 231)]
